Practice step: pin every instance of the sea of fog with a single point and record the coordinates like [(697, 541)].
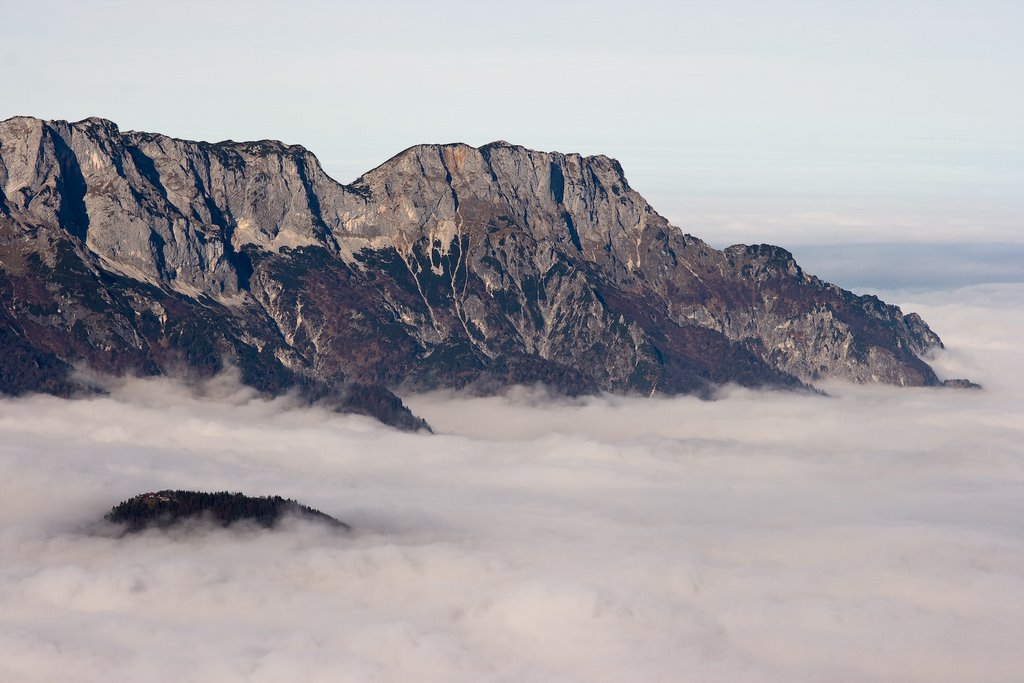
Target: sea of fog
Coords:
[(873, 535)]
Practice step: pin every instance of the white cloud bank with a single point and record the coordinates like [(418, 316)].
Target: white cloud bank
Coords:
[(873, 536)]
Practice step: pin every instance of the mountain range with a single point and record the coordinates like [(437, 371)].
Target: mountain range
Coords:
[(446, 266)]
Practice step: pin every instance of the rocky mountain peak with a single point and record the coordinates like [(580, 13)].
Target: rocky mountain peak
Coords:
[(437, 192), (446, 265)]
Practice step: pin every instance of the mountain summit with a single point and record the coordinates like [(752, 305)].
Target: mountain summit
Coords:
[(445, 266)]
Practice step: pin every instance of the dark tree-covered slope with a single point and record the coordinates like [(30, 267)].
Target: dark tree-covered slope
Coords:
[(167, 508)]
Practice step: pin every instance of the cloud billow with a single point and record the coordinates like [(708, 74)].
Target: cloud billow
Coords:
[(870, 536)]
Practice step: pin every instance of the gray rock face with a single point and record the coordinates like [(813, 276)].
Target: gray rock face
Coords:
[(446, 265)]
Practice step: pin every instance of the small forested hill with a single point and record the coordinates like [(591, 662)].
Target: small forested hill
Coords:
[(166, 508)]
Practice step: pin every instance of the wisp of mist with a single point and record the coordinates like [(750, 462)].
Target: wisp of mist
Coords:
[(871, 535)]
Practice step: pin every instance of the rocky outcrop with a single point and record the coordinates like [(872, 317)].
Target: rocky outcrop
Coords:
[(447, 265)]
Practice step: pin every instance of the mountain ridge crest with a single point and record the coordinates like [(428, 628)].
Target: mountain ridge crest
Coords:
[(446, 265)]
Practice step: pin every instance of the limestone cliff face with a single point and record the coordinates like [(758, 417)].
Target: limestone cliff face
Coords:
[(447, 265)]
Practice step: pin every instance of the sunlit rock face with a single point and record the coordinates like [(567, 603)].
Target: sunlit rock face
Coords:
[(447, 265)]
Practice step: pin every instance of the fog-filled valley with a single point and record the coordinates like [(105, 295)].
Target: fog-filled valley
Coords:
[(870, 535)]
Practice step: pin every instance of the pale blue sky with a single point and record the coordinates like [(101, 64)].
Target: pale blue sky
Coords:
[(740, 120)]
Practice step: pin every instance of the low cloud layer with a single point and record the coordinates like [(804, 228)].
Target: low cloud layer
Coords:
[(907, 265), (871, 536)]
